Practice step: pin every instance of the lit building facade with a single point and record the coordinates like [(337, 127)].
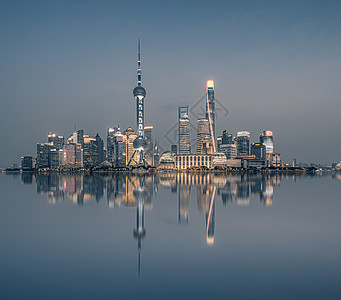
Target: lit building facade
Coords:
[(56, 140), (243, 143), (27, 163), (131, 155), (258, 150), (149, 151), (183, 162), (43, 151), (210, 110), (184, 133), (72, 155), (230, 150), (203, 133)]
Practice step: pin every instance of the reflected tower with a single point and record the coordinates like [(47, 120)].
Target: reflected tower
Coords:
[(139, 232)]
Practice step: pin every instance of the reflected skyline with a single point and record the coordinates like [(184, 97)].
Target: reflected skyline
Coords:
[(127, 233), (139, 192)]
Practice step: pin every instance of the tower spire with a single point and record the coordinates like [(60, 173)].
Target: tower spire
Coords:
[(139, 72)]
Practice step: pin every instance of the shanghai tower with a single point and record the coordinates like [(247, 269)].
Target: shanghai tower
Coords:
[(139, 95)]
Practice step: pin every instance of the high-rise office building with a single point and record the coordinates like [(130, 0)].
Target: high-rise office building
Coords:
[(225, 137), (203, 133), (230, 150), (210, 110), (182, 110), (111, 143), (131, 155), (149, 151), (27, 162), (56, 140), (117, 147), (266, 137), (184, 134), (99, 149), (156, 155), (54, 158), (258, 150), (219, 142), (243, 143), (72, 155), (43, 151), (88, 158)]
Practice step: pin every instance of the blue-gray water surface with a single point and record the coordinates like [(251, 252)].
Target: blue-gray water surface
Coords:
[(170, 236)]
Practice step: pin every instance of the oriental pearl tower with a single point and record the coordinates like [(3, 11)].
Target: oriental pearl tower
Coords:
[(139, 94)]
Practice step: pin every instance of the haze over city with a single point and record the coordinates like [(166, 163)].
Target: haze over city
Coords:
[(275, 64)]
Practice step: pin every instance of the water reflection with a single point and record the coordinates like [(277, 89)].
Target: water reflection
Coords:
[(119, 189), (139, 190)]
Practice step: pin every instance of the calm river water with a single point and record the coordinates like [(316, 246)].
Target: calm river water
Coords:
[(171, 236)]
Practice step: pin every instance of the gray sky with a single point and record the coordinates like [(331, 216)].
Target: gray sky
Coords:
[(276, 66)]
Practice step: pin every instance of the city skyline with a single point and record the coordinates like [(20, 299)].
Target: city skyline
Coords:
[(276, 68)]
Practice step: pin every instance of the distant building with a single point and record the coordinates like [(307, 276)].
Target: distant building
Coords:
[(111, 143), (27, 163), (156, 155), (174, 149), (167, 160), (56, 140), (203, 133), (230, 150), (274, 160), (72, 156), (243, 143), (43, 151), (149, 150), (226, 138), (183, 162), (258, 150), (54, 158), (294, 164), (131, 158), (219, 160), (266, 137), (184, 131), (117, 147), (206, 147), (219, 142)]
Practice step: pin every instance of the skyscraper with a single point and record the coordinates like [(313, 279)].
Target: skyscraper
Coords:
[(27, 162), (139, 94), (111, 143), (56, 140), (210, 110), (203, 133), (243, 143), (266, 137), (43, 152), (131, 153), (184, 132), (149, 153), (258, 150)]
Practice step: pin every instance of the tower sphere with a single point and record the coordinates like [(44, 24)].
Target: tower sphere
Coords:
[(139, 91), (140, 143)]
